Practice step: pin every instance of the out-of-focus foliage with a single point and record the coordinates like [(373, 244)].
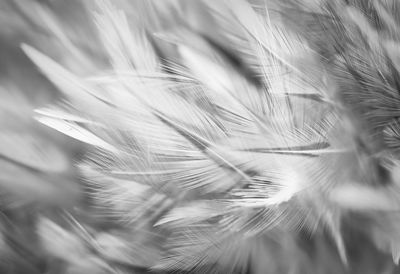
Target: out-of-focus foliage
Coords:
[(207, 136)]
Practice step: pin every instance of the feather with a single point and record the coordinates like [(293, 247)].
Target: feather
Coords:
[(215, 142), (75, 131)]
